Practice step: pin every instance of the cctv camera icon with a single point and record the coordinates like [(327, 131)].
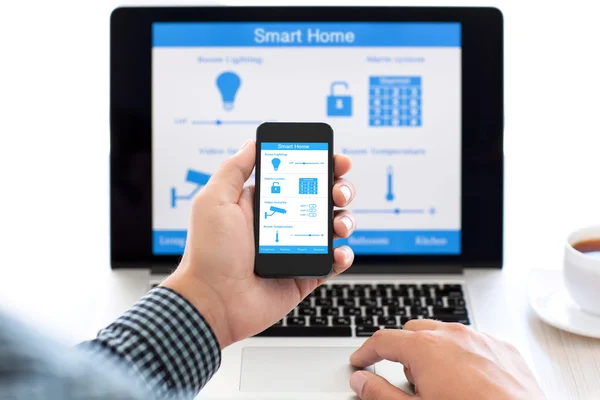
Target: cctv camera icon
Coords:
[(200, 179), (275, 210)]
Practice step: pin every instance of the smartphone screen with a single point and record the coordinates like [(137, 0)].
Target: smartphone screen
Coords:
[(294, 207)]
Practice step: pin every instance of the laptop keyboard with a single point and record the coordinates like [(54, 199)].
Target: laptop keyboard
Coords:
[(346, 310)]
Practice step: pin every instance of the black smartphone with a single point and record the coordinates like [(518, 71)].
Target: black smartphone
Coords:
[(293, 213)]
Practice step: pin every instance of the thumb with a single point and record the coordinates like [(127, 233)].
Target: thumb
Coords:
[(369, 386), (227, 182)]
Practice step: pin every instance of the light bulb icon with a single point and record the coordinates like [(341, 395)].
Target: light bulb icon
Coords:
[(276, 162), (228, 84)]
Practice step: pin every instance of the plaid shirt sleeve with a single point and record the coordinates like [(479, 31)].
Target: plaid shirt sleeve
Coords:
[(165, 341)]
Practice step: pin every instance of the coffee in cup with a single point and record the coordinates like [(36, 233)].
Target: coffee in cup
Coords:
[(589, 247), (582, 268)]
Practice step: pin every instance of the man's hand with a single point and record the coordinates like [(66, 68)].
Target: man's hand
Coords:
[(216, 273), (444, 361)]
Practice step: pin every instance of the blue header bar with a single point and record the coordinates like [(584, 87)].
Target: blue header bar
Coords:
[(395, 80), (403, 242), (292, 249), (306, 34), (378, 242), (293, 146)]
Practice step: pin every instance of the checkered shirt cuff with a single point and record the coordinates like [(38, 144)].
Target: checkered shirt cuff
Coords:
[(166, 341)]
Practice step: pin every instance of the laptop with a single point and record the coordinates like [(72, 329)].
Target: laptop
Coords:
[(415, 97)]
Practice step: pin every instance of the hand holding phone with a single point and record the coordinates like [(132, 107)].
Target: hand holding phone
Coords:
[(216, 272), (294, 205)]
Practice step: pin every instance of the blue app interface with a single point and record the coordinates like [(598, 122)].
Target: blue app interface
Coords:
[(390, 91), (293, 198)]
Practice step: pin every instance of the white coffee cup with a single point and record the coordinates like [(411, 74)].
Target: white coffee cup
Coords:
[(582, 272)]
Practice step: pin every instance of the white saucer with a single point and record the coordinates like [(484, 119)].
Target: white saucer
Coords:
[(551, 302)]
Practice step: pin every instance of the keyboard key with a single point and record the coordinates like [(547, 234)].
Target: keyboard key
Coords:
[(385, 286), (387, 321), (397, 311), (307, 311), (400, 293), (365, 321), (427, 286), (278, 323), (416, 311), (413, 302), (307, 331), (368, 302), (296, 321), (363, 286), (378, 293), (324, 302), (352, 311), (373, 311), (346, 302), (357, 293), (305, 303), (452, 286), (458, 302), (318, 321), (449, 311), (390, 302), (292, 313), (340, 321), (330, 311), (429, 301), (420, 293), (438, 302), (458, 292), (340, 286), (334, 292), (362, 331)]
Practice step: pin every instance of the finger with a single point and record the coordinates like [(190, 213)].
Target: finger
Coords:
[(422, 325), (343, 192), (341, 164), (246, 202), (228, 181), (409, 375), (369, 386), (343, 257), (343, 224), (387, 344)]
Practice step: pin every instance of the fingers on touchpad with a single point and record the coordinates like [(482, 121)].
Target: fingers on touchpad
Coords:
[(296, 369)]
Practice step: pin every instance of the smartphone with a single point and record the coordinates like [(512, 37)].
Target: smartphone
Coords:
[(293, 213)]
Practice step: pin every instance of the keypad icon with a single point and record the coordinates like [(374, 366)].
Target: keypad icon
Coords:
[(395, 101)]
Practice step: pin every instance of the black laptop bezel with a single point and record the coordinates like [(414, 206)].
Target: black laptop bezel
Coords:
[(482, 127)]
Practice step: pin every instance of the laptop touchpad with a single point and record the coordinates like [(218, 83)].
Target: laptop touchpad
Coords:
[(296, 369)]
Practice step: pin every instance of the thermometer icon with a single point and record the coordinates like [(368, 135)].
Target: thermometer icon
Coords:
[(390, 175)]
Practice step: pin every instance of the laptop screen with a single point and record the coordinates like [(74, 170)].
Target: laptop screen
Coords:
[(390, 91)]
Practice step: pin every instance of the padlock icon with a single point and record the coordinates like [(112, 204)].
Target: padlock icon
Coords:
[(339, 106), (275, 188)]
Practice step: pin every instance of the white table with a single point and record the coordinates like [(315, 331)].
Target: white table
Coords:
[(54, 187), (72, 305)]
